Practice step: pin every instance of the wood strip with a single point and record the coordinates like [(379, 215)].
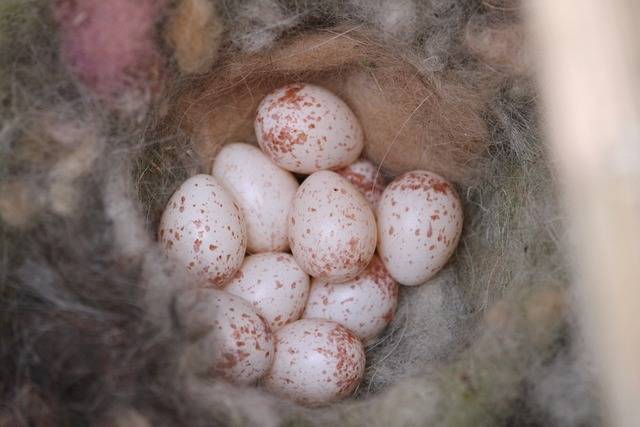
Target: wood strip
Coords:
[(590, 81)]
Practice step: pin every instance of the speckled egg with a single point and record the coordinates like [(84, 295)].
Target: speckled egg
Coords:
[(332, 229), (275, 285), (364, 305), (262, 189), (419, 225), (228, 337), (365, 176), (317, 362), (305, 128), (202, 228)]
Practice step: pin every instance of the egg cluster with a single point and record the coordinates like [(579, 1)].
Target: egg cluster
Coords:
[(299, 321)]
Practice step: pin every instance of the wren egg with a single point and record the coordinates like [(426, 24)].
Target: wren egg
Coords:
[(365, 176), (317, 361), (262, 189), (227, 336), (332, 229), (275, 285), (364, 305), (305, 128), (202, 228), (419, 225)]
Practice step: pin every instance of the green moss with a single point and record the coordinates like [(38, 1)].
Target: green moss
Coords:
[(17, 19), (27, 38), (482, 387), (368, 64), (158, 170)]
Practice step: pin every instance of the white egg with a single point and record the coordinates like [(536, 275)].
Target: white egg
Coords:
[(275, 285), (365, 176), (262, 189), (317, 361), (228, 337), (305, 128), (332, 229), (419, 225), (364, 305), (203, 230)]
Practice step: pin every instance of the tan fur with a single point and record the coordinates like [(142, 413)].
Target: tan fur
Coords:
[(498, 39), (410, 121), (194, 31)]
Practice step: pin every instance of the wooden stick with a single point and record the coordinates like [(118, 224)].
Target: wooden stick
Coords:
[(590, 81)]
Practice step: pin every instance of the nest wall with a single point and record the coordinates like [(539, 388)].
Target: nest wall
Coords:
[(97, 132)]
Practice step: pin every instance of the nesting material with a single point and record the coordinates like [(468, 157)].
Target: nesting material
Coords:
[(409, 120), (88, 321), (194, 31), (497, 38)]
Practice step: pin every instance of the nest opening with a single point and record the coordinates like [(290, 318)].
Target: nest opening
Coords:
[(438, 123)]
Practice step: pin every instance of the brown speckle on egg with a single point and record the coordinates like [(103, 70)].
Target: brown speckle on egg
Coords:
[(323, 362), (261, 281), (217, 226), (366, 177), (364, 305), (238, 345), (299, 138), (332, 232), (415, 198)]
